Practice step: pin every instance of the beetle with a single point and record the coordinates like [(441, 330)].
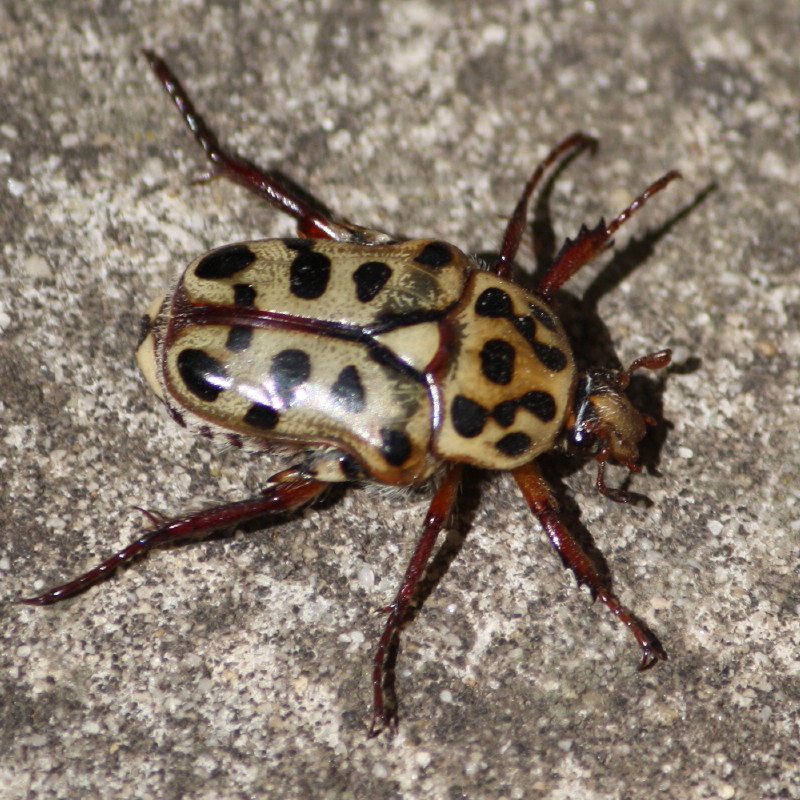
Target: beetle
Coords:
[(386, 360)]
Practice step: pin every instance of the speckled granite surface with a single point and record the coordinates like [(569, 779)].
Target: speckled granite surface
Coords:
[(239, 668)]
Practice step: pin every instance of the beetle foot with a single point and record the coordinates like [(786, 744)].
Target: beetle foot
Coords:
[(153, 516), (384, 720), (652, 653), (207, 177), (652, 649)]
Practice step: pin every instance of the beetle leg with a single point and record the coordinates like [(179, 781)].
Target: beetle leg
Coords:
[(153, 516), (657, 360), (590, 242), (540, 499), (384, 706), (516, 225), (617, 495), (313, 220), (288, 493)]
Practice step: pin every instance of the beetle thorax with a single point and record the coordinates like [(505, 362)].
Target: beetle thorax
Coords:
[(507, 385)]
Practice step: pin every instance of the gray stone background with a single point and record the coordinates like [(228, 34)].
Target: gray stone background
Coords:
[(239, 667)]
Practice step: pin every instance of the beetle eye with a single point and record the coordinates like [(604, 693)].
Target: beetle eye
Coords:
[(581, 440), (581, 437)]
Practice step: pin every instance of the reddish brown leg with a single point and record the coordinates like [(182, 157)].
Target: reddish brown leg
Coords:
[(312, 221), (384, 713), (617, 495), (516, 225), (540, 499), (657, 360), (577, 253), (289, 492)]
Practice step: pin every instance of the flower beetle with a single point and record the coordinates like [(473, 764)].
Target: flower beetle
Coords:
[(386, 360)]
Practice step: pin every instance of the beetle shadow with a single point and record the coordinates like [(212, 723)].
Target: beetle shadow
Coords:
[(587, 330), (638, 250), (584, 326)]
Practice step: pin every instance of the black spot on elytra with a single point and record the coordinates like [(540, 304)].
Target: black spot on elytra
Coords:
[(298, 244), (540, 404), (513, 444), (261, 416), (543, 317), (497, 361), (244, 295), (370, 278), (526, 328), (202, 374), (289, 369), (348, 391), (239, 338), (553, 358), (309, 275), (395, 446), (224, 262), (493, 302), (435, 255), (468, 417)]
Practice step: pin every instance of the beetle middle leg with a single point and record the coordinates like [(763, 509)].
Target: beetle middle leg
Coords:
[(384, 707), (516, 224), (589, 242)]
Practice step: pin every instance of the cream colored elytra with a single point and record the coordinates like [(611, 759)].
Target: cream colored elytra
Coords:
[(400, 355)]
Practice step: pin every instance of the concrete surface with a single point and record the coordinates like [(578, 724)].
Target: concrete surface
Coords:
[(239, 668)]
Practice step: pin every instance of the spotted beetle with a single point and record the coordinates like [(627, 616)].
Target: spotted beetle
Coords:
[(386, 360)]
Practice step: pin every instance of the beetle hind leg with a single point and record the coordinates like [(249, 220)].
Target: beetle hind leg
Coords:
[(313, 219), (287, 492)]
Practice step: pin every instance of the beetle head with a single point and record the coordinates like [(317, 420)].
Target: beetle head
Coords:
[(604, 422)]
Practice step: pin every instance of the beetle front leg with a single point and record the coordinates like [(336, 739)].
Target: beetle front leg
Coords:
[(540, 499), (313, 220), (384, 708), (516, 225), (288, 493), (590, 242)]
